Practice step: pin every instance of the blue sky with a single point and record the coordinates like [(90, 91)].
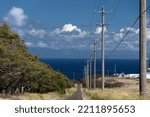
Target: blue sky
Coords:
[(66, 28)]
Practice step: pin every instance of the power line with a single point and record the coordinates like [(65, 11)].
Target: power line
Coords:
[(127, 33), (102, 2), (115, 6), (93, 20), (115, 10)]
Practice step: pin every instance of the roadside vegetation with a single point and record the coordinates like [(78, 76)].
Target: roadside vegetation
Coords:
[(38, 96), (116, 89), (21, 72)]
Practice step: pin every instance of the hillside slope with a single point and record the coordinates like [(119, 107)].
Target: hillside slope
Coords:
[(20, 71)]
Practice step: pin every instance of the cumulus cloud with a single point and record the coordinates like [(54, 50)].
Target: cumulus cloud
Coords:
[(39, 44), (42, 44), (130, 43), (70, 28), (16, 17), (122, 30), (56, 31), (148, 19), (37, 33), (136, 31), (148, 34), (69, 31), (99, 30), (118, 36), (19, 31), (132, 47), (29, 44)]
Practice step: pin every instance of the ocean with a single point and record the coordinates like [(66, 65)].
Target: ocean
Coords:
[(73, 68)]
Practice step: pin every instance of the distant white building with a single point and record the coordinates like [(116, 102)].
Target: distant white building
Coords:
[(123, 75), (133, 75), (148, 69), (148, 75)]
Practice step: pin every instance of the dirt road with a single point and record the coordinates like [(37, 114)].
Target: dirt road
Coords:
[(77, 94)]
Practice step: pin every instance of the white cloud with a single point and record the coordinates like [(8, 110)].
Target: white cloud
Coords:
[(136, 31), (118, 36), (42, 44), (148, 19), (19, 31), (132, 47), (16, 17), (148, 33), (122, 30), (99, 30), (37, 33), (70, 28), (69, 31), (57, 31), (79, 46), (29, 44), (82, 34), (130, 43)]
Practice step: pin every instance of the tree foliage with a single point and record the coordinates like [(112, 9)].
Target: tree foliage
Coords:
[(21, 70)]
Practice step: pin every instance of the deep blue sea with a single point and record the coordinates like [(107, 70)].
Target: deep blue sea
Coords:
[(73, 68)]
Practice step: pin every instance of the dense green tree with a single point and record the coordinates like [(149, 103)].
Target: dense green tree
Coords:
[(21, 70)]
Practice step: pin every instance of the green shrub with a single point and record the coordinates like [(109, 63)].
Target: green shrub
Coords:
[(18, 68)]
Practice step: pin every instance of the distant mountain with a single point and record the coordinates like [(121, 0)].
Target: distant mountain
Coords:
[(20, 71)]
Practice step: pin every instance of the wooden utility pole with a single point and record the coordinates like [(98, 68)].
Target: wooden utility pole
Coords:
[(147, 63), (115, 70), (102, 49), (91, 69), (87, 75), (142, 49), (94, 63), (74, 76), (108, 72)]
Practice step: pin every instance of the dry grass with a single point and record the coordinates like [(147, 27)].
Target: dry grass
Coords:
[(128, 91), (37, 96)]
